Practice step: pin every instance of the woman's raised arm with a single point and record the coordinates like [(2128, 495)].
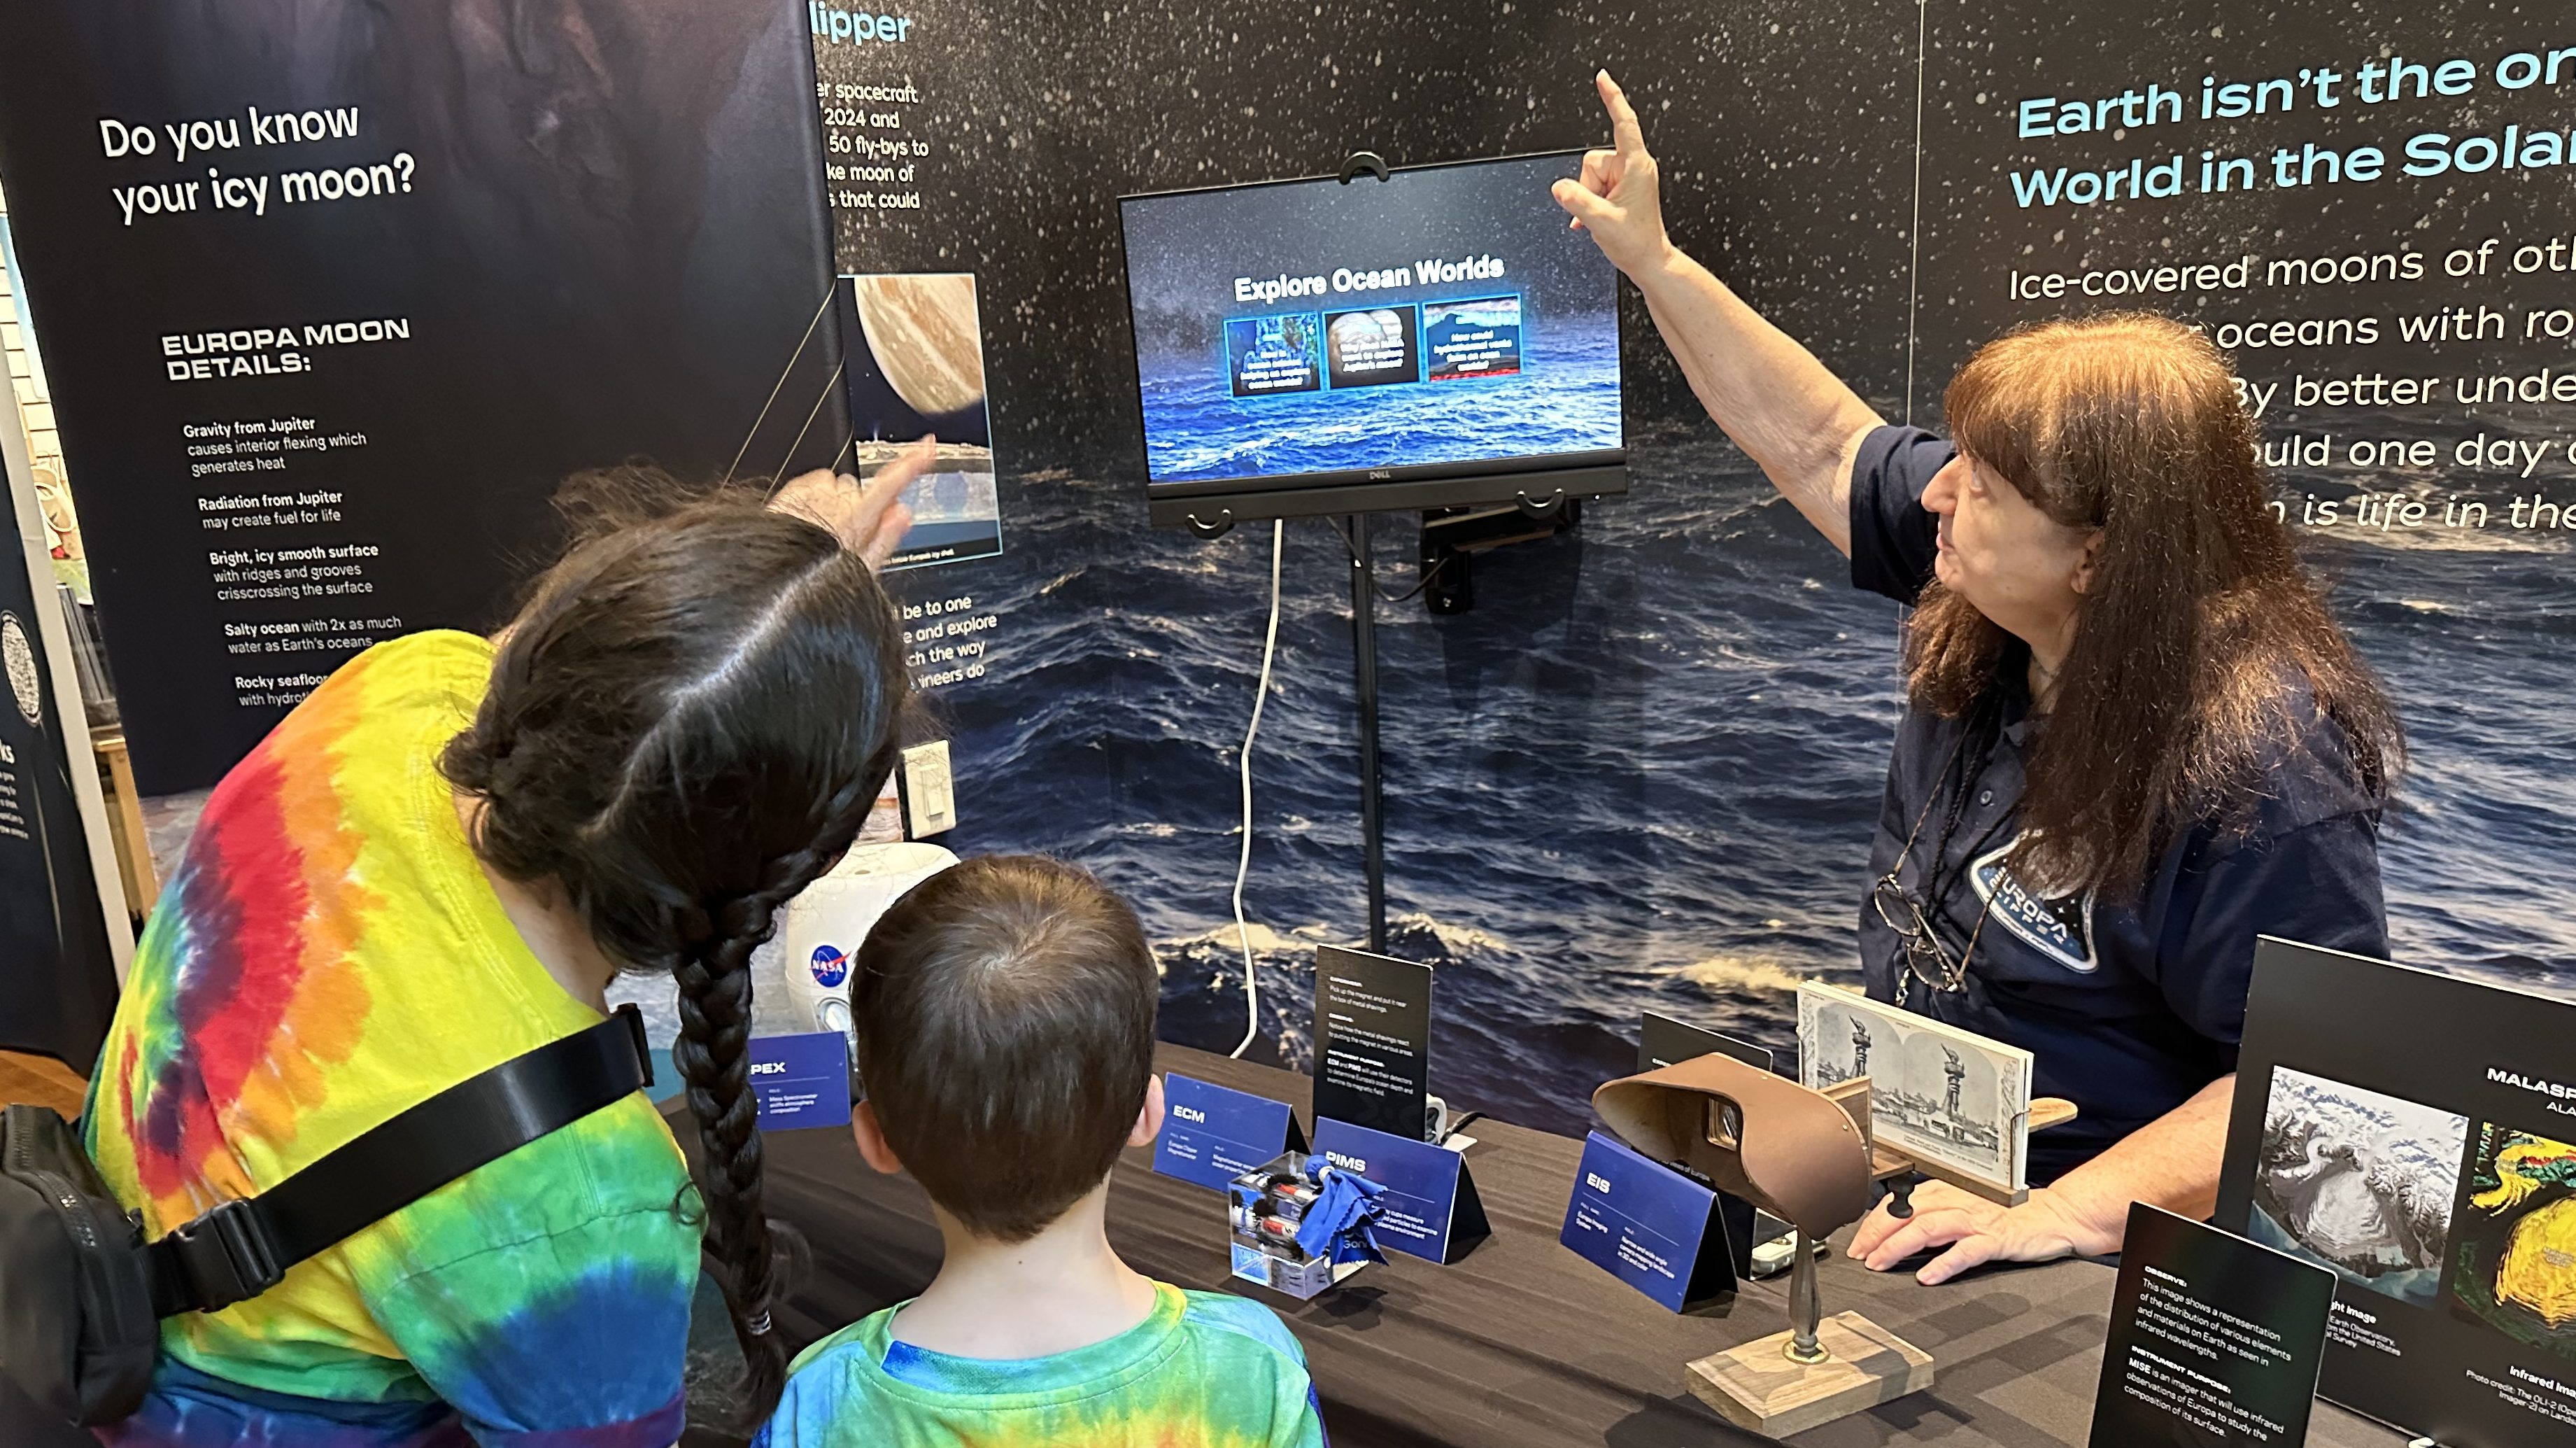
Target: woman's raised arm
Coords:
[(1794, 418)]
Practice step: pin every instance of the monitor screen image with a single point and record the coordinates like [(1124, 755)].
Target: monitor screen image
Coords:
[(1443, 322)]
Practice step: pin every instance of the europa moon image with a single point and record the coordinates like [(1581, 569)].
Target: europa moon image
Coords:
[(923, 332), (2514, 1265), (1372, 347)]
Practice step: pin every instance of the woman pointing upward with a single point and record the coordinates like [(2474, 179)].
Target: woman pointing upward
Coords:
[(2134, 739)]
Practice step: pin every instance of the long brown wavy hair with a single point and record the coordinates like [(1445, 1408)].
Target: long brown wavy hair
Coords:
[(2198, 623)]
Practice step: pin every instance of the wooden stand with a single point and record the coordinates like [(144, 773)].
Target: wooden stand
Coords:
[(1817, 1371), (125, 821), (1761, 1387)]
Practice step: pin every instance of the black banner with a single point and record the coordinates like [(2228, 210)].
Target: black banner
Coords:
[(333, 296), (2411, 1133), (57, 964)]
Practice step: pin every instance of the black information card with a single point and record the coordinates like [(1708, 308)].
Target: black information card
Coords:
[(2415, 1135), (1662, 1041), (1372, 1041), (2215, 1342)]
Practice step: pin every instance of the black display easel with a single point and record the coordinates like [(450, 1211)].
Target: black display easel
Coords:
[(1364, 688), (1364, 669), (1361, 500)]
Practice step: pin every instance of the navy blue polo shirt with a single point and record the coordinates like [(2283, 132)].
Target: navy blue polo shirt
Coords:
[(2129, 1008)]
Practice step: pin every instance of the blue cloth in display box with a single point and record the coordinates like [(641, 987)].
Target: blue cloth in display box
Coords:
[(1432, 1210)]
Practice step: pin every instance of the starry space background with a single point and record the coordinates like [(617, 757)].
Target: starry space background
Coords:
[(1640, 772)]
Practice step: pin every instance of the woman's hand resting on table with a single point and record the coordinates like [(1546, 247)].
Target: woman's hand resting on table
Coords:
[(2171, 1162), (1975, 1230), (869, 518)]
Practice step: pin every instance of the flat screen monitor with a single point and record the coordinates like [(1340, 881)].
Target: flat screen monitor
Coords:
[(1432, 338)]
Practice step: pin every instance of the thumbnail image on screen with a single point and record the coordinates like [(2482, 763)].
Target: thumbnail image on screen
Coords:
[(1446, 317)]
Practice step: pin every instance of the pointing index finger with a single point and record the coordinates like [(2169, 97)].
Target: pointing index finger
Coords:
[(881, 490), (1624, 130)]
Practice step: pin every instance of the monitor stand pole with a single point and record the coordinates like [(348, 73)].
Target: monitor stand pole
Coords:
[(1364, 670)]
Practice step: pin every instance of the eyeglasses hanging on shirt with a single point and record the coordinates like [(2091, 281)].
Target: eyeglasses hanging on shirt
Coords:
[(1915, 918)]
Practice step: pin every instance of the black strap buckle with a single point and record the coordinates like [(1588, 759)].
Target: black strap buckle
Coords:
[(224, 1256)]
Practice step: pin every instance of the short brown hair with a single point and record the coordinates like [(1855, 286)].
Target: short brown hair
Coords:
[(2200, 628), (1004, 1012)]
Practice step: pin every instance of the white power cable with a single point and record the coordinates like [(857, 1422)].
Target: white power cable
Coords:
[(1243, 866)]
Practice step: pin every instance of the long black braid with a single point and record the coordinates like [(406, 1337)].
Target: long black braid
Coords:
[(713, 1056), (686, 725)]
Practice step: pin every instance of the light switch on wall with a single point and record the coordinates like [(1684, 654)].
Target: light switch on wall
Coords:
[(929, 794)]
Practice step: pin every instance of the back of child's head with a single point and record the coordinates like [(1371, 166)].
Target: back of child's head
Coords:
[(1004, 1013)]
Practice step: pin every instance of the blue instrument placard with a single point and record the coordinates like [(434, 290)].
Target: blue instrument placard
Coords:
[(1647, 1225), (801, 1080), (1432, 1210), (1213, 1134)]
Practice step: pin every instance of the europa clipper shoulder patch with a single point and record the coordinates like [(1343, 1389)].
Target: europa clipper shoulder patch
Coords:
[(2060, 929)]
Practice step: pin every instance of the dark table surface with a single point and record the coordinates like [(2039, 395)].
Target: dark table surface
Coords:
[(1522, 1342)]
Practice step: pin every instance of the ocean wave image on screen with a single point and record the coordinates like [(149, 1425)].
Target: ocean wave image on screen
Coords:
[(1565, 400)]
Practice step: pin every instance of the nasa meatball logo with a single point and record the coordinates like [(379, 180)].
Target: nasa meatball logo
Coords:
[(831, 966)]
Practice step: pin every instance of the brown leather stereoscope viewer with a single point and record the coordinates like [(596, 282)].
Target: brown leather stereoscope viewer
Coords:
[(1793, 1152)]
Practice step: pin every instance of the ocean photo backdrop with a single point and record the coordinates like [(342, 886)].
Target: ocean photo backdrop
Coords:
[(1641, 772), (1640, 776)]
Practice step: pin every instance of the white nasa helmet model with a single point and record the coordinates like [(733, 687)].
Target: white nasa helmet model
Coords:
[(826, 923)]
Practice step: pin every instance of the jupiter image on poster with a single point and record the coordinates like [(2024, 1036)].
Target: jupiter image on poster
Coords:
[(922, 332), (913, 354)]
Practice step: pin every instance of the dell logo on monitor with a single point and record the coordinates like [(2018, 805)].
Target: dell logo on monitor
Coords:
[(1379, 475)]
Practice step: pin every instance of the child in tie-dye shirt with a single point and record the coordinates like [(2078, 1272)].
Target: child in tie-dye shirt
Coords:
[(327, 955), (434, 864), (1005, 1026)]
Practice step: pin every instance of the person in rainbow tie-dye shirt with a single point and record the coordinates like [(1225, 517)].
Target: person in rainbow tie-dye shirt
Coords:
[(436, 862), (1005, 1030)]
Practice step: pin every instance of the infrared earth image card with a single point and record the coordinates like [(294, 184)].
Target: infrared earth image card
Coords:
[(2513, 1240)]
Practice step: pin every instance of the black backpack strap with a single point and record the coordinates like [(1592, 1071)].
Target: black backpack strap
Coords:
[(243, 1248)]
